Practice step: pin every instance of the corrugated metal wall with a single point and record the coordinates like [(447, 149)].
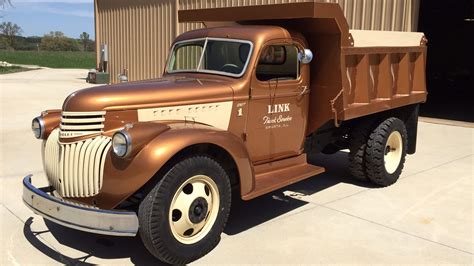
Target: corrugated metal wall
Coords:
[(138, 35), (139, 32), (392, 15)]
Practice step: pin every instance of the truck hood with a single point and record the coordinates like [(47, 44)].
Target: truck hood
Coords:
[(145, 94)]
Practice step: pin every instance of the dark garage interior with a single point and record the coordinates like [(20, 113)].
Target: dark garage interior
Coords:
[(449, 27)]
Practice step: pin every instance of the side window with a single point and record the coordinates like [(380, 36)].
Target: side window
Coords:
[(278, 62)]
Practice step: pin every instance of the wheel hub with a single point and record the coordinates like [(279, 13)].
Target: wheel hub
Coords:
[(389, 149), (198, 210), (393, 152), (194, 209)]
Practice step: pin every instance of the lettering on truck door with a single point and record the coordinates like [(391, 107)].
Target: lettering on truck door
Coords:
[(278, 104)]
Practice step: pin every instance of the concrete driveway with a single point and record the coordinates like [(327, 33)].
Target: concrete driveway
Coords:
[(427, 217)]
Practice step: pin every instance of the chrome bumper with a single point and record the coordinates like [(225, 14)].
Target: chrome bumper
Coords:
[(105, 222)]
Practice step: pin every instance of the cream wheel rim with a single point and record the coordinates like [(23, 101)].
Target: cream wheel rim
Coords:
[(194, 208), (393, 152)]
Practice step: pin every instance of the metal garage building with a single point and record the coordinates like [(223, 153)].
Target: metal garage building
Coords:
[(138, 33)]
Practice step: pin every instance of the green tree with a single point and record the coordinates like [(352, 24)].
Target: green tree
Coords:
[(9, 31), (56, 41), (91, 46), (85, 41)]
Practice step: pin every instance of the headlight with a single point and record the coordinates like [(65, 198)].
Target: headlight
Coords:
[(37, 125), (122, 144)]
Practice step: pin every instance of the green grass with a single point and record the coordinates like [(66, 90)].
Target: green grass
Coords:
[(12, 69), (50, 59)]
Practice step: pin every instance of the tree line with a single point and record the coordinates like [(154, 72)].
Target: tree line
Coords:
[(11, 39)]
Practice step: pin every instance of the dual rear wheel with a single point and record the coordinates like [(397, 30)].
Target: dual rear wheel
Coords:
[(378, 154)]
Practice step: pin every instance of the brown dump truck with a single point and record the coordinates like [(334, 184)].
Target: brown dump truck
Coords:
[(240, 105)]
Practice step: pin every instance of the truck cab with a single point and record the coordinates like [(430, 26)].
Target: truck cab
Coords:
[(239, 107), (270, 85)]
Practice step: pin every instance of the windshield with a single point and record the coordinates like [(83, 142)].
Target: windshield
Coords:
[(210, 55)]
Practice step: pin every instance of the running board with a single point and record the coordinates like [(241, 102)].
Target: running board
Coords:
[(275, 175)]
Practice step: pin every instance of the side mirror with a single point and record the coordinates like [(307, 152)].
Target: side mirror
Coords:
[(305, 56)]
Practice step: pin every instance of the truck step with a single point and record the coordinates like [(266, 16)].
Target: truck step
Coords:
[(275, 175)]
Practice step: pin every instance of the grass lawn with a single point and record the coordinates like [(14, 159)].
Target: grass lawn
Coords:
[(50, 59), (12, 69)]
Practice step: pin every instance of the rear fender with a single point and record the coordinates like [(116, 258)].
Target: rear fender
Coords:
[(123, 177)]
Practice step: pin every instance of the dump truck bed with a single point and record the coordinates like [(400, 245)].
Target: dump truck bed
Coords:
[(354, 73), (383, 70)]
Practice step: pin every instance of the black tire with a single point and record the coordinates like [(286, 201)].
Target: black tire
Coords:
[(155, 229), (376, 150), (358, 143)]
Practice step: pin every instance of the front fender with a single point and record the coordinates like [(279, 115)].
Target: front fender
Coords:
[(51, 119), (123, 177)]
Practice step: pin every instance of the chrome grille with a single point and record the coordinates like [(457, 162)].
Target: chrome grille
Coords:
[(75, 169), (76, 124)]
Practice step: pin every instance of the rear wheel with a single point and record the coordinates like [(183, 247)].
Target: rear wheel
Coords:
[(182, 218), (358, 143), (385, 152)]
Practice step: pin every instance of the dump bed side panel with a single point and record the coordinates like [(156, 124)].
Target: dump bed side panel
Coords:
[(380, 71), (381, 78)]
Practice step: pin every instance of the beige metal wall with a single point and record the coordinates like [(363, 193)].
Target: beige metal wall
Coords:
[(391, 15), (139, 32)]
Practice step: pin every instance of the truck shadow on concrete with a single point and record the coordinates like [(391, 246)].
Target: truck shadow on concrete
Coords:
[(244, 215), (103, 247), (247, 214)]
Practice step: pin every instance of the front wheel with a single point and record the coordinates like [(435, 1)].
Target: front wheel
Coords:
[(182, 218)]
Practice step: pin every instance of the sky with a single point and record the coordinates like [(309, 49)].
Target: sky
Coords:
[(37, 17)]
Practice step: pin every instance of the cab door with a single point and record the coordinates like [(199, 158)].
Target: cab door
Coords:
[(278, 105)]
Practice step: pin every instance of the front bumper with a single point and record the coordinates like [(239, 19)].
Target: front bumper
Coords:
[(105, 222)]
